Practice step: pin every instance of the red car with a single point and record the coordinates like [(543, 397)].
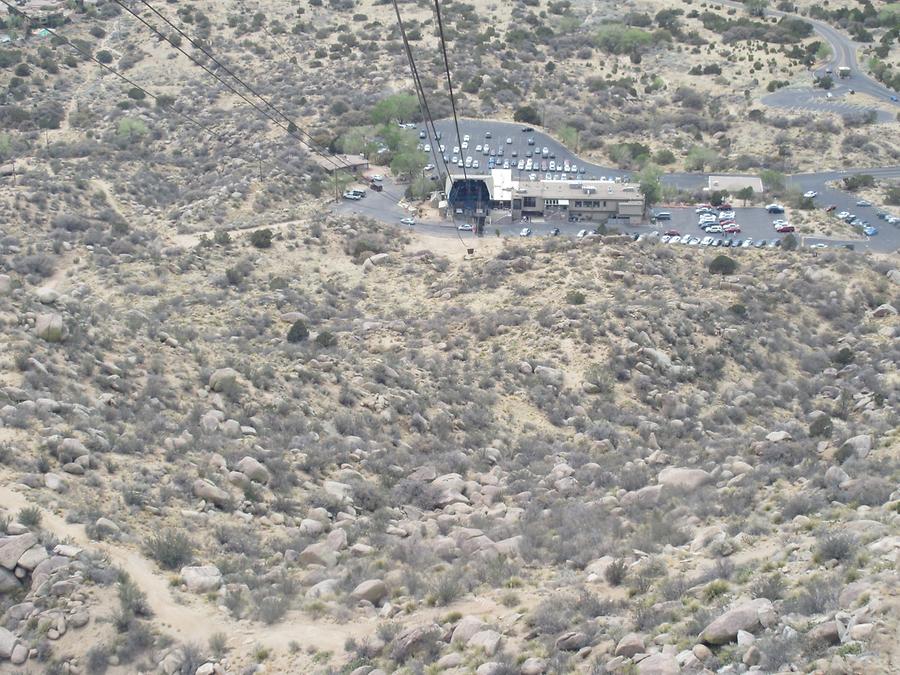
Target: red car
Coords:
[(733, 229), (672, 233), (784, 228), (726, 221), (831, 208)]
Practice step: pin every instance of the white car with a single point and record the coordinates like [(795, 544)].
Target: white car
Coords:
[(526, 232), (478, 148), (408, 221), (475, 164), (352, 196), (465, 227), (426, 148), (810, 194), (675, 240), (532, 176), (715, 229), (582, 233), (428, 167), (843, 214), (455, 149), (378, 177), (521, 164), (466, 138), (465, 145), (443, 148), (509, 141)]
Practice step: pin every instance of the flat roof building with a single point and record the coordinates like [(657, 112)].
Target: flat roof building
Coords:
[(332, 163), (601, 201)]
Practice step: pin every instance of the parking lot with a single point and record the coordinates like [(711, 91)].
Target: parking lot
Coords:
[(500, 131)]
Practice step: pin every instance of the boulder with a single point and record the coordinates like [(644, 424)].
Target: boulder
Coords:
[(488, 640), (551, 376), (107, 527), (323, 589), (223, 379), (373, 590), (658, 664), (778, 436), (835, 476), (533, 666), (8, 642), (631, 644), (9, 583), (743, 617), (318, 554), (50, 327), (205, 489), (860, 445), (572, 641), (33, 557), (682, 478), (254, 470), (826, 632), (201, 578), (884, 310), (466, 628), (12, 548)]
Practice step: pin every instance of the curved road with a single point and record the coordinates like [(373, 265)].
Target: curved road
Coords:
[(843, 53)]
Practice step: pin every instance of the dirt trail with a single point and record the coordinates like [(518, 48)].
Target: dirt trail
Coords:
[(194, 619)]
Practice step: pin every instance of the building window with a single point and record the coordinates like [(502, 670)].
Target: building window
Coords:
[(551, 202), (529, 202)]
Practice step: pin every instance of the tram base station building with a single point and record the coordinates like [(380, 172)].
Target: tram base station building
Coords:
[(473, 198)]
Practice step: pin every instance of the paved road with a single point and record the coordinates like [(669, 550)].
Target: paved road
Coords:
[(843, 53), (756, 222)]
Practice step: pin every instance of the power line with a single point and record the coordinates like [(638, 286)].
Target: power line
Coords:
[(420, 92), (437, 8), (292, 127), (161, 102)]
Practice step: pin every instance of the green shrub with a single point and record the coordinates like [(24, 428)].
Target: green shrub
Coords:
[(821, 427), (104, 56), (574, 297), (30, 516), (170, 548), (615, 573), (722, 264), (298, 332), (261, 238), (326, 339)]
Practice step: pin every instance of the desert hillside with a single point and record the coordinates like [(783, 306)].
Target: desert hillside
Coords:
[(352, 450)]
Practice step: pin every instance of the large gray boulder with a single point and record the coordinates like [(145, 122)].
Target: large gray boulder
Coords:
[(488, 640), (222, 379), (746, 616), (254, 470), (372, 590), (201, 578), (12, 548), (860, 445), (205, 489), (465, 629), (50, 327), (8, 642), (658, 664), (8, 582), (631, 644), (318, 554), (682, 478)]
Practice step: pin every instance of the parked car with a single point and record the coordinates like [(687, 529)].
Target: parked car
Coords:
[(582, 233), (465, 227), (784, 228), (863, 202), (673, 233), (870, 231), (408, 221), (664, 215), (733, 229), (352, 195), (376, 187), (830, 208), (775, 208), (810, 194)]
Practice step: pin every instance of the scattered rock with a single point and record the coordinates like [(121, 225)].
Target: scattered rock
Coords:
[(201, 579), (743, 617), (683, 479), (631, 644), (50, 327), (373, 590), (223, 379)]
